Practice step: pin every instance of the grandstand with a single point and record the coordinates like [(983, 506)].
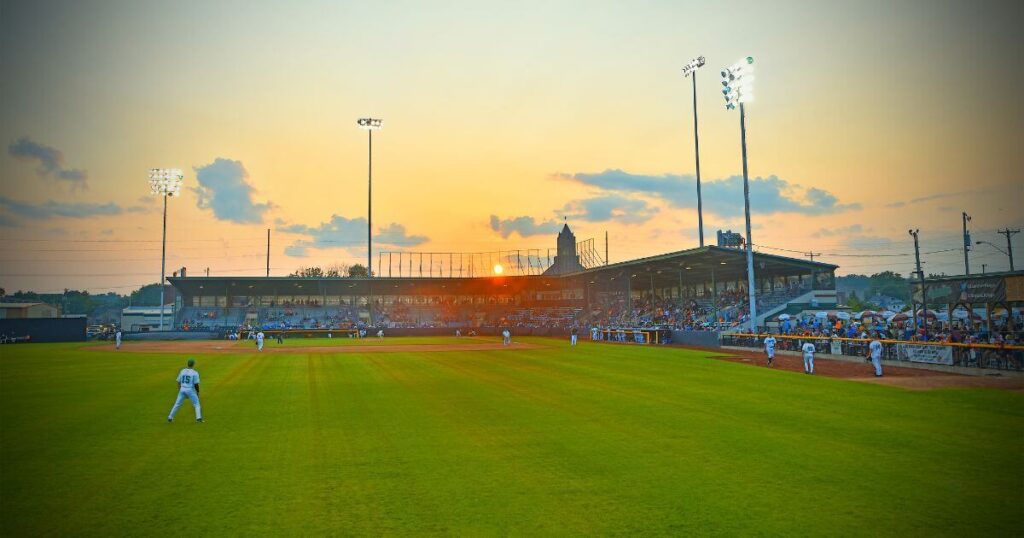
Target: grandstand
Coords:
[(696, 288)]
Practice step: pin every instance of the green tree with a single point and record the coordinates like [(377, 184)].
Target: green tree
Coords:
[(148, 295), (308, 272), (357, 271), (890, 284)]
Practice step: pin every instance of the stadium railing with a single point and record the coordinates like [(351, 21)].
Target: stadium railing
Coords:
[(977, 355)]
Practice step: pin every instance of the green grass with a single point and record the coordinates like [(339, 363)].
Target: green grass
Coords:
[(600, 439), (371, 340)]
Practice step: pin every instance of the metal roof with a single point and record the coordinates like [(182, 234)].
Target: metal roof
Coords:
[(692, 265)]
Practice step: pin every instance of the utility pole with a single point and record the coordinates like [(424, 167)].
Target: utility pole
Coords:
[(983, 268), (1009, 245), (268, 252), (606, 249), (811, 255), (967, 244), (920, 274)]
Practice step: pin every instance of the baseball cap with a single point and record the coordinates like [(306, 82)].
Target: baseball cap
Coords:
[(191, 362)]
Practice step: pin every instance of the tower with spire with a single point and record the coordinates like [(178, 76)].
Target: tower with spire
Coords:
[(566, 258)]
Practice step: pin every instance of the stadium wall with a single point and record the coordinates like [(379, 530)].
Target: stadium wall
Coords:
[(45, 329), (171, 335), (696, 338)]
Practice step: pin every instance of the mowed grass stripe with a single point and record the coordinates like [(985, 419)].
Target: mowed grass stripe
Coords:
[(593, 440)]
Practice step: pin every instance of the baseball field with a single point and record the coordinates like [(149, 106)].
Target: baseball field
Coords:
[(367, 437)]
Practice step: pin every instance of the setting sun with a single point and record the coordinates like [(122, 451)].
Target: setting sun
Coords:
[(498, 269)]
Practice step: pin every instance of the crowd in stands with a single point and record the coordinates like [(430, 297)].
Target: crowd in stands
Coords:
[(906, 330)]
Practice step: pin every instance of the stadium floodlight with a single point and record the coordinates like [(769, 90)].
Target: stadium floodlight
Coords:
[(369, 125), (737, 82), (691, 69), (693, 66), (164, 182)]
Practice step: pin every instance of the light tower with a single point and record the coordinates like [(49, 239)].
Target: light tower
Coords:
[(370, 125), (737, 82), (165, 182), (690, 70)]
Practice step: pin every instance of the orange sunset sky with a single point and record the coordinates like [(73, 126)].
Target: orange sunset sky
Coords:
[(501, 119)]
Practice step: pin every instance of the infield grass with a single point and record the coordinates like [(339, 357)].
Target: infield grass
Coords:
[(600, 439)]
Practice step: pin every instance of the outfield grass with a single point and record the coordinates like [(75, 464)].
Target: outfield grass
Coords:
[(600, 439), (270, 341)]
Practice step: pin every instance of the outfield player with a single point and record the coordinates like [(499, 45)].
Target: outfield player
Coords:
[(259, 341), (875, 352), (506, 337), (575, 333), (769, 349), (117, 339), (188, 387), (808, 349)]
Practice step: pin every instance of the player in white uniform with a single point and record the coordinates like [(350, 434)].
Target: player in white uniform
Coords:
[(808, 349), (573, 335), (769, 349), (875, 352), (117, 339), (188, 387), (380, 333), (506, 337), (259, 341)]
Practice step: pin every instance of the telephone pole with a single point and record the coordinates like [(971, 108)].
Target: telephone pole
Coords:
[(967, 244), (268, 252), (1009, 244), (811, 255), (920, 274)]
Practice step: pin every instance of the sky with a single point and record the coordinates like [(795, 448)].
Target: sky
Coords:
[(502, 120)]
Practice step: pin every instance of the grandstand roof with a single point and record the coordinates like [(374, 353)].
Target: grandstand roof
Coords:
[(692, 265)]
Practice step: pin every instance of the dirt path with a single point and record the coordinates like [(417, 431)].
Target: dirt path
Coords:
[(908, 378), (221, 346)]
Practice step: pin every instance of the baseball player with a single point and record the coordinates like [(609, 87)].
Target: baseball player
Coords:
[(259, 341), (380, 333), (808, 349), (769, 349), (117, 339), (875, 352), (188, 387), (506, 337), (572, 338)]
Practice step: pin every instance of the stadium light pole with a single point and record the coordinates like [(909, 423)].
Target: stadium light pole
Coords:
[(165, 182), (690, 70), (737, 82), (370, 125)]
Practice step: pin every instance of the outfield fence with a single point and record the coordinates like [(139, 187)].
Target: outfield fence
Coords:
[(986, 356)]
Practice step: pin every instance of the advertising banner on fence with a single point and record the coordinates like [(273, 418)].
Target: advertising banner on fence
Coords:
[(972, 290), (929, 354)]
